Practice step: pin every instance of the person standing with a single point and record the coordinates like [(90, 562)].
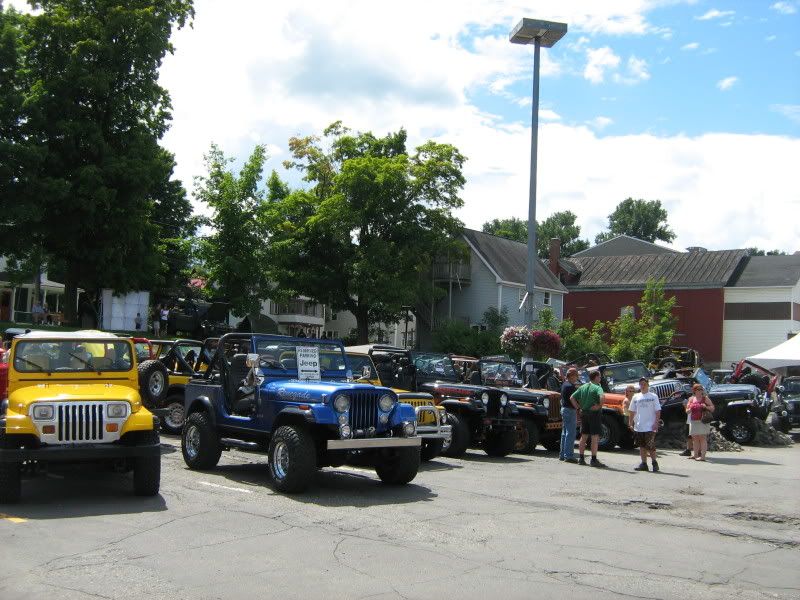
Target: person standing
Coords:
[(137, 322), (165, 319), (590, 399), (156, 320), (626, 404), (644, 418), (569, 417), (698, 404)]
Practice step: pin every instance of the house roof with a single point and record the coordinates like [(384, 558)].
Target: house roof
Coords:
[(706, 269), (624, 245), (769, 271), (508, 260)]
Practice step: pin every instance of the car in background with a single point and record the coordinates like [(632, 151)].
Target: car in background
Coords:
[(670, 358), (198, 319)]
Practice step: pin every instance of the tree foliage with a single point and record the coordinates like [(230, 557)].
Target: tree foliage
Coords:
[(365, 232), (460, 338), (511, 229), (235, 253), (560, 225), (642, 219), (577, 342), (85, 154), (759, 252)]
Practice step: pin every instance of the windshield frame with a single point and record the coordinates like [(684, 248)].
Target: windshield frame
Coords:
[(452, 377), (20, 364), (266, 347), (517, 381)]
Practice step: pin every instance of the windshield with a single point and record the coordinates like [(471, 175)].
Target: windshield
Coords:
[(430, 364), (72, 356), (625, 373), (500, 373), (703, 379), (357, 364), (279, 358), (791, 386)]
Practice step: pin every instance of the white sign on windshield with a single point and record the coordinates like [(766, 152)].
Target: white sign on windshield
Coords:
[(308, 363)]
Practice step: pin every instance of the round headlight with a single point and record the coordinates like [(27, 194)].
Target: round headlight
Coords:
[(345, 431), (409, 428), (442, 416), (385, 403), (503, 399), (342, 419), (384, 419), (341, 403), (485, 397), (116, 411), (546, 402), (42, 412)]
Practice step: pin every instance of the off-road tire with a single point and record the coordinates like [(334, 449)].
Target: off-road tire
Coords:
[(670, 363), (168, 424), (431, 449), (208, 449), (626, 440), (610, 436), (147, 469), (292, 459), (552, 444), (533, 436), (499, 444), (397, 466), (10, 475), (153, 381), (740, 431), (460, 436)]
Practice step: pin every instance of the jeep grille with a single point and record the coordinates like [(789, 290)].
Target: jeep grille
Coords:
[(364, 409), (80, 422), (665, 390)]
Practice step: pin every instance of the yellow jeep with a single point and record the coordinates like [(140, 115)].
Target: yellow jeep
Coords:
[(431, 419), (74, 397)]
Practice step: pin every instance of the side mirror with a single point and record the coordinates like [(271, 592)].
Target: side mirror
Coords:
[(252, 360), (366, 372), (780, 389)]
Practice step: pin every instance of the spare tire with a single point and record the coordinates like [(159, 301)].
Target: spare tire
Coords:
[(153, 381)]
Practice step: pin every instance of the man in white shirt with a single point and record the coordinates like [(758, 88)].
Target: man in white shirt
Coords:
[(644, 415)]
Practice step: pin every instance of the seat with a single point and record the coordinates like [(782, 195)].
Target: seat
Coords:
[(290, 364), (475, 378)]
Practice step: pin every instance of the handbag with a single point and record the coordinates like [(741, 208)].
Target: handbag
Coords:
[(707, 416)]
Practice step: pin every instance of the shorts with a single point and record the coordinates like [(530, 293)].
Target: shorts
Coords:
[(591, 422), (645, 439)]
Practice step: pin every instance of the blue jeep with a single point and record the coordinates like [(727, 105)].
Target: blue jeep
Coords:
[(295, 400)]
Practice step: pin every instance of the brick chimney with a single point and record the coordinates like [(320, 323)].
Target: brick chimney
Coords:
[(555, 255)]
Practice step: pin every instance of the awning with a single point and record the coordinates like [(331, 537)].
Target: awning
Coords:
[(786, 354)]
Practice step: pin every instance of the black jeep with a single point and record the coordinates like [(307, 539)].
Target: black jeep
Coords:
[(480, 416), (198, 319)]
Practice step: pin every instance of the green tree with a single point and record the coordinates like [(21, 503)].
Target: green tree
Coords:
[(94, 112), (560, 225), (546, 319), (577, 342), (365, 232), (642, 219), (235, 253), (632, 337), (759, 252), (511, 229)]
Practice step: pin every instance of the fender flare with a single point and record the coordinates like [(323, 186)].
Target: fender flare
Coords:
[(202, 404)]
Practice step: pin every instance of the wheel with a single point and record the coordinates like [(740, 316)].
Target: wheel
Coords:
[(431, 449), (529, 437), (742, 432), (292, 459), (174, 416), (10, 475), (669, 363), (609, 434), (626, 440), (397, 466), (199, 442), (552, 444), (153, 383), (460, 436), (147, 471), (500, 444)]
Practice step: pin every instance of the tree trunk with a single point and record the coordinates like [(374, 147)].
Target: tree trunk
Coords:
[(70, 298), (362, 324)]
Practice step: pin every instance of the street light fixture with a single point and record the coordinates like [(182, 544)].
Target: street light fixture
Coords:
[(541, 33)]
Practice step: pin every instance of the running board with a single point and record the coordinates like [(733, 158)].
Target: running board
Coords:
[(241, 445)]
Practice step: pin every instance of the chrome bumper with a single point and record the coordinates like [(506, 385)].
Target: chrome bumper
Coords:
[(437, 432), (363, 444)]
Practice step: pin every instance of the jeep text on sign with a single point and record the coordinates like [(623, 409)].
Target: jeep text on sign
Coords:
[(308, 363)]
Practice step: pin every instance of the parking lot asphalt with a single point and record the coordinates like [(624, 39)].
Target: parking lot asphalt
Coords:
[(478, 527)]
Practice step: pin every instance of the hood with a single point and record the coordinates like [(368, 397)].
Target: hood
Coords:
[(67, 392), (313, 391), (739, 390)]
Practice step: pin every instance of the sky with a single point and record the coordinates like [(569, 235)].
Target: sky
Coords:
[(695, 103)]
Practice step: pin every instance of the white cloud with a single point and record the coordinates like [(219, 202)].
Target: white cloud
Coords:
[(635, 73), (790, 111), (599, 60), (691, 46), (715, 14), (727, 83), (785, 8), (770, 38), (600, 123)]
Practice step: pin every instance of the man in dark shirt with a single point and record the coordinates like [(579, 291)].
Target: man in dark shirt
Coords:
[(569, 417)]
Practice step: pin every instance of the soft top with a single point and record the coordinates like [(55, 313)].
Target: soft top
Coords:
[(84, 334), (365, 349)]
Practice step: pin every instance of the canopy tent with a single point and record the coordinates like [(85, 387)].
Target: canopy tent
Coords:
[(786, 354)]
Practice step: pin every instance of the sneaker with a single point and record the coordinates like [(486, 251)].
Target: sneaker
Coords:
[(573, 461), (642, 467), (560, 458), (686, 452), (581, 461), (655, 466), (597, 463)]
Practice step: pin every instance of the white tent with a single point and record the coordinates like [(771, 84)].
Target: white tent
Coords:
[(786, 354)]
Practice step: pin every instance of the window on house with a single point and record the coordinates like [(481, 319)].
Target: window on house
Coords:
[(546, 300), (521, 295), (333, 316)]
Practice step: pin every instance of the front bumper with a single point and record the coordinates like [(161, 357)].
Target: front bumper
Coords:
[(78, 452), (501, 424), (431, 430), (368, 443)]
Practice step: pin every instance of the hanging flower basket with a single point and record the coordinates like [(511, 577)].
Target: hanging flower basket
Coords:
[(543, 344), (515, 340)]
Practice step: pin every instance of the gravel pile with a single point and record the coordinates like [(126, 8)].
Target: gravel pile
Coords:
[(718, 443), (766, 435), (673, 437)]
